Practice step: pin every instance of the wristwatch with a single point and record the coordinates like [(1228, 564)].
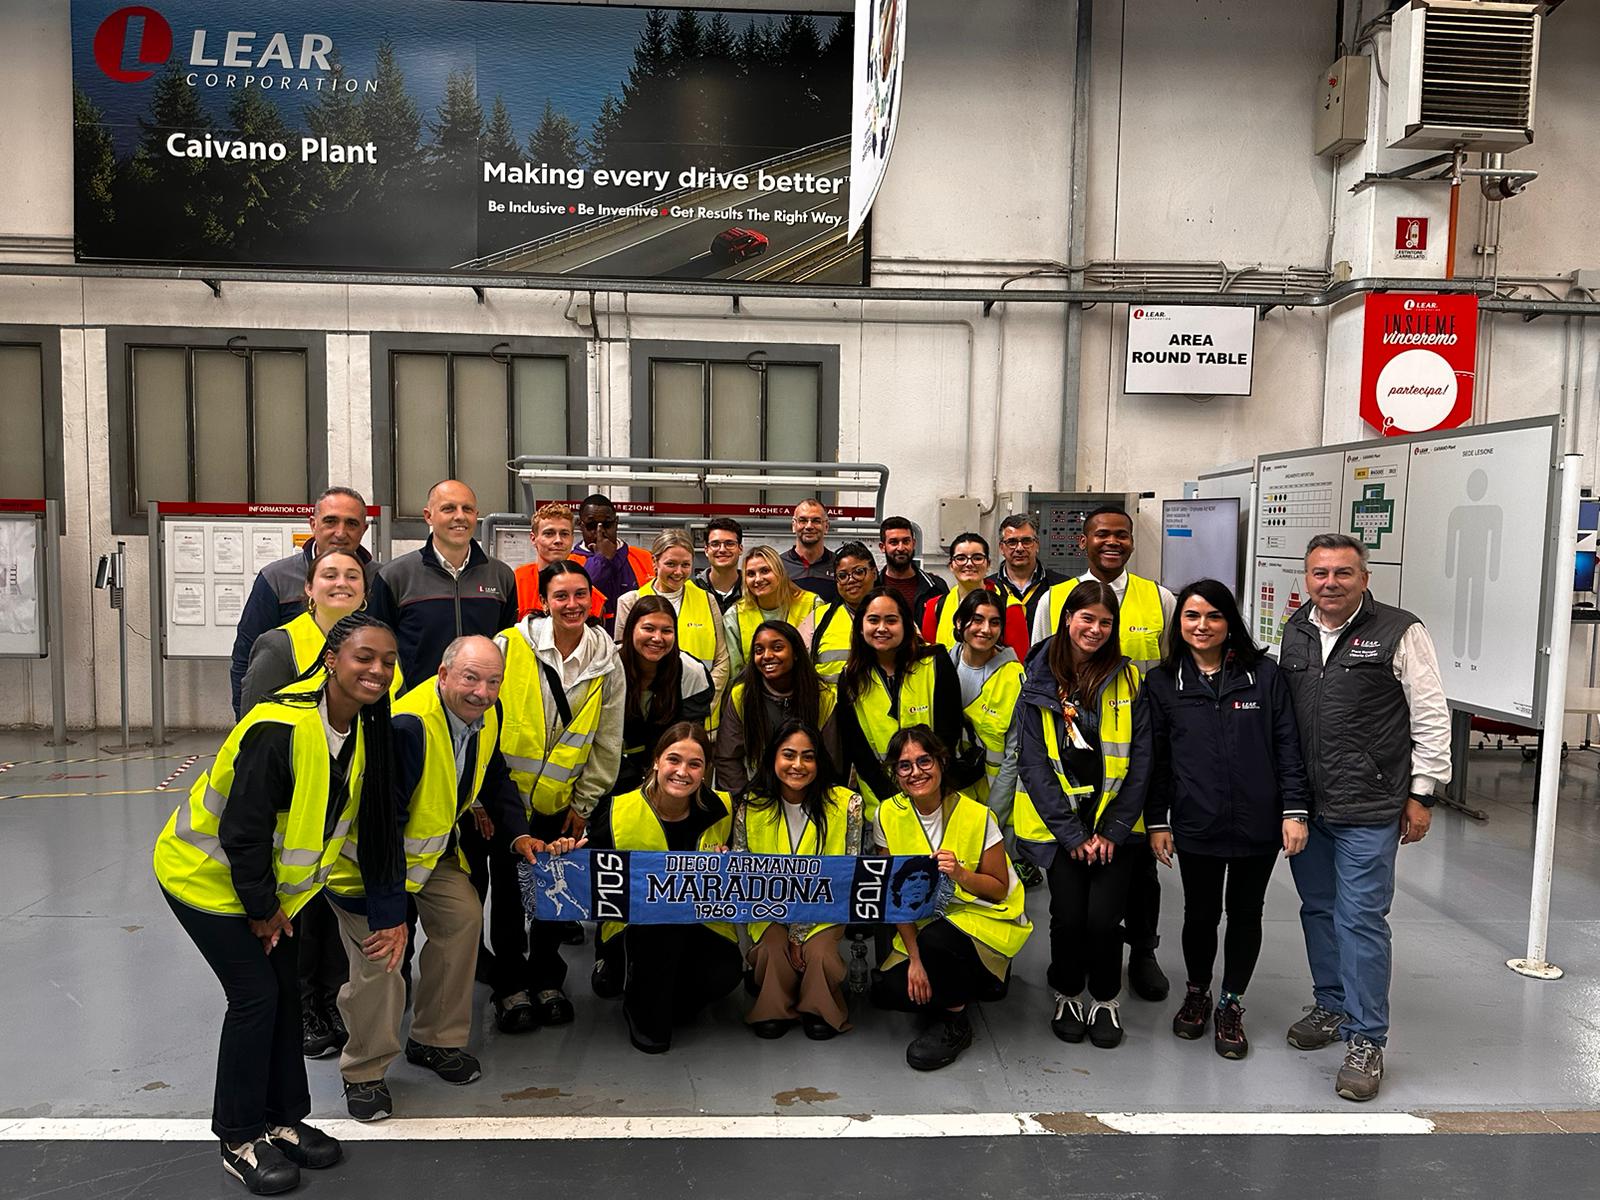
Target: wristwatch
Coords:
[(1425, 799)]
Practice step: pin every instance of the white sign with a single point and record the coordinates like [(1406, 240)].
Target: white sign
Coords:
[(1190, 351), (1200, 540), (880, 52)]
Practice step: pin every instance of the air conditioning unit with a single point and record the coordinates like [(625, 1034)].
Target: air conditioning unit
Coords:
[(1463, 74)]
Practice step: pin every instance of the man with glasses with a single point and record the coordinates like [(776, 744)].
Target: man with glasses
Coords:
[(1022, 579), (614, 567), (809, 562), (969, 563), (856, 574), (722, 578)]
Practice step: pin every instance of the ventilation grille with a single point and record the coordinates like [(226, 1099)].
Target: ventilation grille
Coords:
[(1477, 68)]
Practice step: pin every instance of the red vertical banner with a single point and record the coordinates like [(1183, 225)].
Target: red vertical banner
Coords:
[(1418, 361)]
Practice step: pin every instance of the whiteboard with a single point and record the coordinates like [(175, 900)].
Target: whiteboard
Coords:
[(1459, 529), (1200, 540), (22, 630)]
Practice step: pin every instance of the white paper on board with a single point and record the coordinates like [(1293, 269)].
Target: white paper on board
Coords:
[(188, 604), (189, 550), (266, 546), (227, 551), (227, 602), (19, 587)]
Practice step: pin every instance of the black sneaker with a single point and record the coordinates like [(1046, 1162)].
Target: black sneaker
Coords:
[(368, 1101), (261, 1167), (816, 1028), (1230, 1039), (316, 1039), (1069, 1023), (514, 1013), (449, 1063), (571, 933), (1146, 978), (551, 1007), (1029, 875), (771, 1030), (605, 980), (336, 1025), (305, 1146), (1318, 1028), (1190, 1020), (1362, 1072), (1105, 1025), (941, 1043)]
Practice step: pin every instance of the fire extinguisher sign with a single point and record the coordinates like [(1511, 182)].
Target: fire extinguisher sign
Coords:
[(1419, 353)]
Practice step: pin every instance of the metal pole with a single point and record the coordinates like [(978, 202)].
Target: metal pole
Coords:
[(1077, 239), (119, 598), (1555, 712), (158, 625), (1250, 565), (55, 627), (385, 546)]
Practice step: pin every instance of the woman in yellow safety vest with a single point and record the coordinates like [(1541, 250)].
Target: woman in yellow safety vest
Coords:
[(665, 685), (942, 964), (700, 629), (991, 682), (665, 973), (892, 681), (969, 563), (1083, 769), (778, 684), (256, 839), (336, 586), (799, 974), (769, 595)]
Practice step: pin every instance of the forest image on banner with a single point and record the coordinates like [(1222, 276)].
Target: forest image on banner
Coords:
[(465, 135)]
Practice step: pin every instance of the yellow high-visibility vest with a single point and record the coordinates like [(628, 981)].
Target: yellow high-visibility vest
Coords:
[(751, 615), (1004, 926), (766, 831), (545, 773), (830, 641), (880, 718), (1140, 621), (635, 826), (990, 712), (306, 639), (189, 860), (697, 618)]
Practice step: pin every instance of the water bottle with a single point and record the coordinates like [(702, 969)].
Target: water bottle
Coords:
[(859, 972)]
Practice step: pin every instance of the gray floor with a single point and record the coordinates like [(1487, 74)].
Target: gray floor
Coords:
[(112, 1012)]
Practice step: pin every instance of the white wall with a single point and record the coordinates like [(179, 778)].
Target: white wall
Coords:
[(1199, 150)]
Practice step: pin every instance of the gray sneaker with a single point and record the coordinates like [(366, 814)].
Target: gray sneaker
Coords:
[(1362, 1071), (1318, 1028)]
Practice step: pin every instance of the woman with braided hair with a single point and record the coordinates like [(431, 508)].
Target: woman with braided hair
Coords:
[(306, 769)]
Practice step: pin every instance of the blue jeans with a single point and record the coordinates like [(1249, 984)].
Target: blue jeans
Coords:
[(1345, 876)]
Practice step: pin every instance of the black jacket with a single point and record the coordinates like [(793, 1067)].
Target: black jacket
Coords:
[(1226, 766), (428, 608)]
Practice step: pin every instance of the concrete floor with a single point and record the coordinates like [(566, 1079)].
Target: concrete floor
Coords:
[(112, 1013)]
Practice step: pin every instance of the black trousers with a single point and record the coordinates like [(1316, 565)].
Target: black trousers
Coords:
[(261, 1077), (526, 953), (324, 969), (1087, 907), (955, 973), (1141, 926), (671, 972), (1209, 881)]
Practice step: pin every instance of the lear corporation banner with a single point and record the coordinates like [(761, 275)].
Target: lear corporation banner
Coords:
[(670, 888), (441, 135)]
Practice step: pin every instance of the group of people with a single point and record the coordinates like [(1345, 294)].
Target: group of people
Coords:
[(407, 734)]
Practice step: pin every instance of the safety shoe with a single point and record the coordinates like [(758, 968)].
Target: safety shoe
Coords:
[(515, 1014), (336, 1025), (261, 1167), (449, 1063), (1190, 1020), (606, 980), (1105, 1025), (1028, 875), (1146, 978), (552, 1007), (317, 1040), (1362, 1072), (1229, 1038), (304, 1145), (368, 1101), (1069, 1023), (1318, 1028), (941, 1043), (571, 933)]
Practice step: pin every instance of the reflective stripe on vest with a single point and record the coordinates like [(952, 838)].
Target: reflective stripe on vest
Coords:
[(990, 713), (635, 826), (1003, 926), (766, 831), (434, 806), (830, 642), (1116, 747), (545, 773), (306, 639), (880, 720), (189, 860)]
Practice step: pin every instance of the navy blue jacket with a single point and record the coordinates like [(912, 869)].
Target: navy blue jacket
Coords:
[(428, 608), (1226, 764)]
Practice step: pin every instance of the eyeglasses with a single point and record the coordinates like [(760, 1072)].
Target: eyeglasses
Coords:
[(914, 766), (968, 560), (1014, 543), (722, 544), (854, 576)]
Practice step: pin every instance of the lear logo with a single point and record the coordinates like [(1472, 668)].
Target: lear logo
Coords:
[(1138, 314), (1246, 705), (111, 43)]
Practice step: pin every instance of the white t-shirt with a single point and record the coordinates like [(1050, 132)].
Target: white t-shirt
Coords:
[(336, 740), (933, 826), (795, 816)]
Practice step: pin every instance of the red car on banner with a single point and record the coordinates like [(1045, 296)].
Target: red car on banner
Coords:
[(1418, 361)]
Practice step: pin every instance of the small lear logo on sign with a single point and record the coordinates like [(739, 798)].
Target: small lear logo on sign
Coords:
[(111, 43), (1193, 351)]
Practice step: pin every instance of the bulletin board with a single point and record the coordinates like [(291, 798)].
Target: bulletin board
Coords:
[(22, 575), (1200, 540)]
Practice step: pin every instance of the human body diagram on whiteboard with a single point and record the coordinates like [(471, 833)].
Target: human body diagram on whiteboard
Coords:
[(1472, 559)]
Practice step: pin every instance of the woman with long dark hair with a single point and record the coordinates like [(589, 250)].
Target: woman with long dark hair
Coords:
[(665, 684), (892, 681), (778, 683), (991, 683), (1228, 791), (792, 809), (1083, 772), (700, 629), (256, 839)]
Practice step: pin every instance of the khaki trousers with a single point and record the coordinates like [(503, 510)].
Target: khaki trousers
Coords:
[(374, 1000), (784, 993)]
